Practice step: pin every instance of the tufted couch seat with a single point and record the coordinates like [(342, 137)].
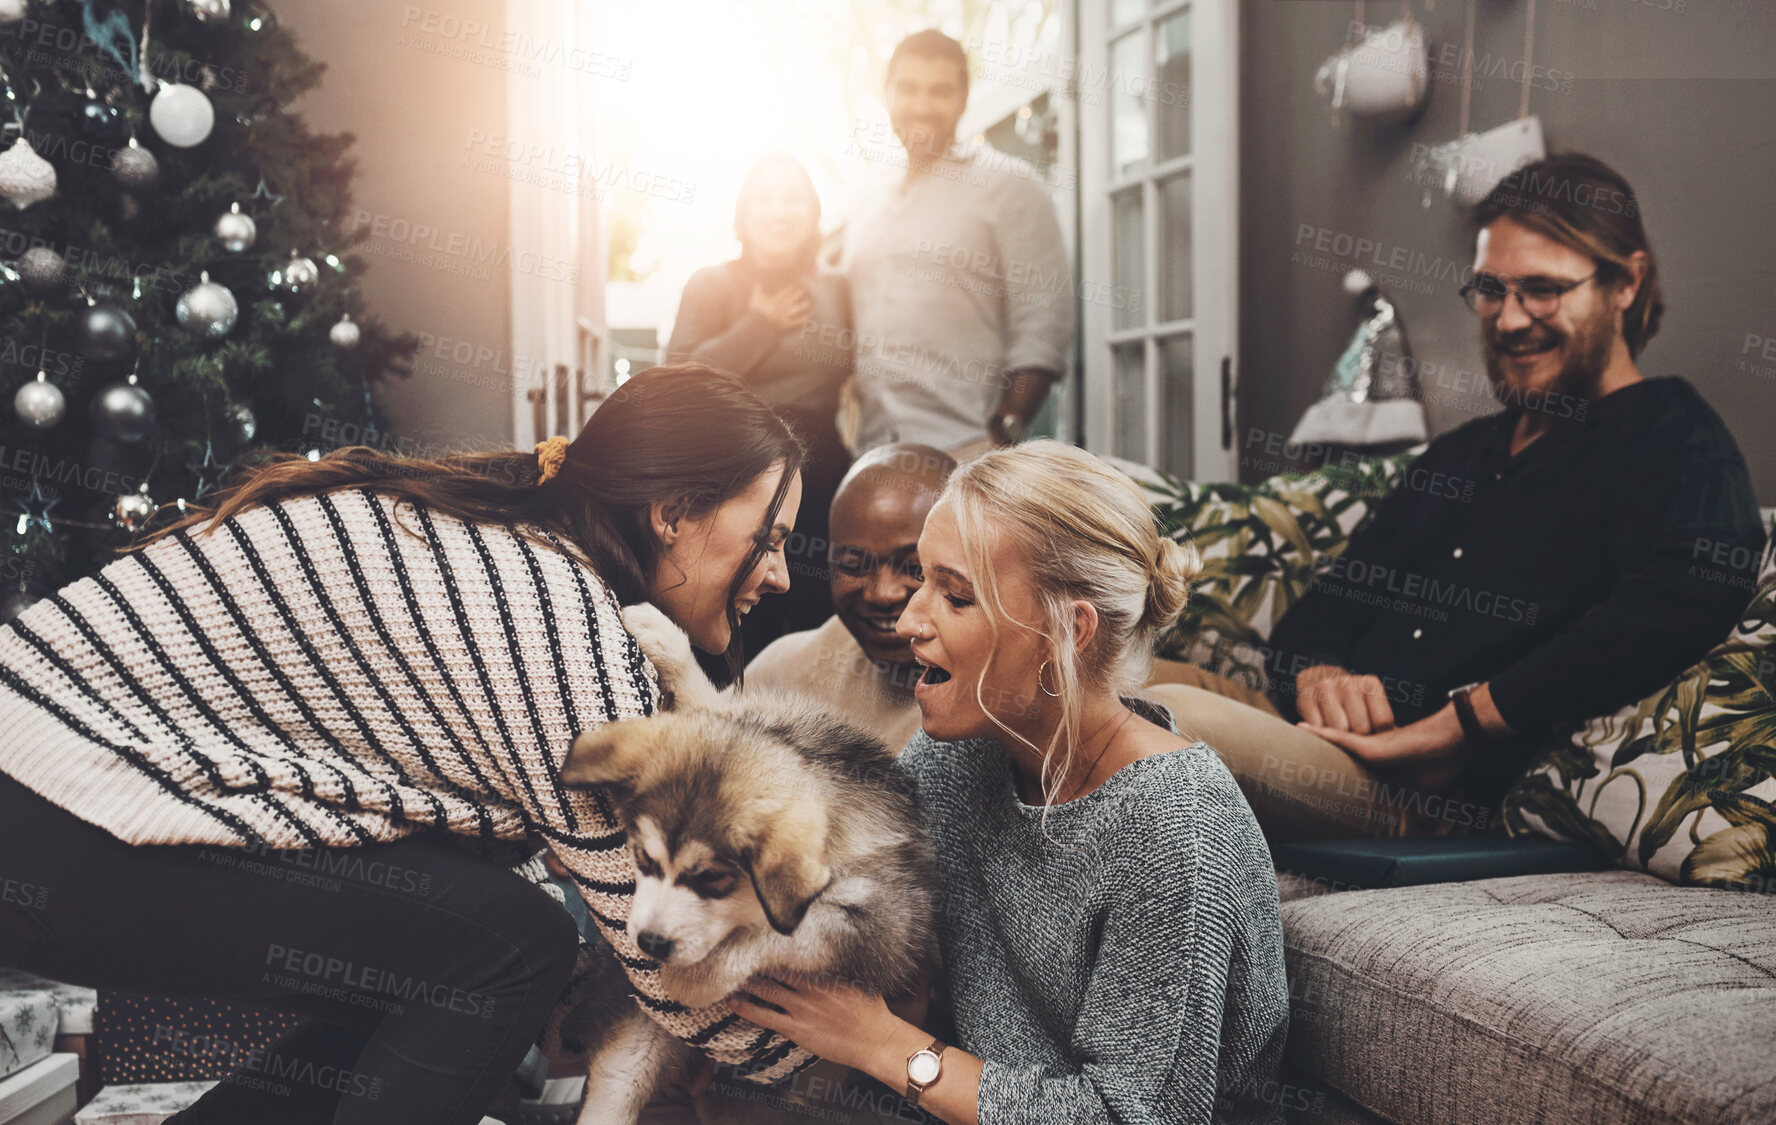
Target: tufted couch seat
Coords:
[(1607, 997)]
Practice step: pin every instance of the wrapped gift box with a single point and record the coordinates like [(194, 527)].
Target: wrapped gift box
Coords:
[(149, 1103), (40, 1094), (74, 1003), (27, 1028)]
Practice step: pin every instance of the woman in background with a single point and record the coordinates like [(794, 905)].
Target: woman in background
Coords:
[(774, 319)]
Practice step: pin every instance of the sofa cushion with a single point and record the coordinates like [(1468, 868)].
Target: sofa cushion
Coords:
[(1607, 997), (1682, 783)]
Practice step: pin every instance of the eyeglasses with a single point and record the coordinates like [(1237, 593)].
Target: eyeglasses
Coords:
[(1539, 296)]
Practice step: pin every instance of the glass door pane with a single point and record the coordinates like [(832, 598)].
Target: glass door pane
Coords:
[(1130, 362), (1170, 92), (1175, 257), (1128, 109), (1177, 419), (1125, 11), (1128, 256)]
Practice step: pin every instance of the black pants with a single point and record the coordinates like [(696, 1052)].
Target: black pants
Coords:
[(426, 972)]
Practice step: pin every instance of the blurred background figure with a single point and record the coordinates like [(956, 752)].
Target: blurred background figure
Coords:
[(774, 319)]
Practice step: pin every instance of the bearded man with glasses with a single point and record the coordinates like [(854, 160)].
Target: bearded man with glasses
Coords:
[(1572, 572)]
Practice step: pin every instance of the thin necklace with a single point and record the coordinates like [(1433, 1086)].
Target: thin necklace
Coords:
[(1126, 716)]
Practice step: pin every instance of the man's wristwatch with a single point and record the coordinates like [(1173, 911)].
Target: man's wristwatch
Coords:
[(1472, 731), (923, 1068)]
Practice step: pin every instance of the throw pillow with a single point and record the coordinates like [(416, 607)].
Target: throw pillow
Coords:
[(1683, 783)]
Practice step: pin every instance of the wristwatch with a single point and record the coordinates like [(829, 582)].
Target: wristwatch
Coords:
[(923, 1068), (1472, 731)]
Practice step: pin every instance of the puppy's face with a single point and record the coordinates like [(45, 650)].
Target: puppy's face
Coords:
[(690, 896), (726, 826)]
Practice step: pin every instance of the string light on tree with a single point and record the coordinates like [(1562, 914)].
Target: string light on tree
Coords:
[(209, 11), (34, 509)]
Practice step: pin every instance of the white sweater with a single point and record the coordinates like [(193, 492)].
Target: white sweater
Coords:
[(332, 670)]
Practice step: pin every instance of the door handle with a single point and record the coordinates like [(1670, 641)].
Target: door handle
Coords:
[(1226, 402)]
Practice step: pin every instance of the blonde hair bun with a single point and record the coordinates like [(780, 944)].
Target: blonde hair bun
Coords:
[(1175, 569)]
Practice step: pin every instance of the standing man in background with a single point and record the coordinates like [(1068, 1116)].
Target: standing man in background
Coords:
[(961, 292)]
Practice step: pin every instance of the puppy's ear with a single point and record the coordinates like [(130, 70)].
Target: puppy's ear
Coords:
[(788, 866), (614, 754)]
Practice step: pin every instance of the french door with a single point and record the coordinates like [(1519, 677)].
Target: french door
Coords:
[(1159, 159)]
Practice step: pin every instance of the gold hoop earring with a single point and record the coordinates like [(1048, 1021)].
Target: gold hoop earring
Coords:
[(1045, 691)]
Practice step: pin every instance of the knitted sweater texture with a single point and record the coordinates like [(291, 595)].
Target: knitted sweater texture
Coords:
[(1120, 960), (337, 670)]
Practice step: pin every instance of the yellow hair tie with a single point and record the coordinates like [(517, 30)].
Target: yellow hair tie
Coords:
[(550, 454)]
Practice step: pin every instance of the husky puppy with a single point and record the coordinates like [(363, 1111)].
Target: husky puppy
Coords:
[(768, 836)]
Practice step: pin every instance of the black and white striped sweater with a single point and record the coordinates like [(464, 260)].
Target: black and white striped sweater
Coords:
[(332, 670)]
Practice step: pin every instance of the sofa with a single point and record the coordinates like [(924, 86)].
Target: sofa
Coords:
[(1616, 996)]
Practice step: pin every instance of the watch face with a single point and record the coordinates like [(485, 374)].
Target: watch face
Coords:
[(922, 1067)]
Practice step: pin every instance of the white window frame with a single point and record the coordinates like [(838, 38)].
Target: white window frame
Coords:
[(1214, 167)]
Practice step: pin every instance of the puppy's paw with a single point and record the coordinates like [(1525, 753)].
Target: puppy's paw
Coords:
[(668, 649)]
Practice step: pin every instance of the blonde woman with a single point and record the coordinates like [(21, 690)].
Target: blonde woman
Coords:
[(1108, 911)]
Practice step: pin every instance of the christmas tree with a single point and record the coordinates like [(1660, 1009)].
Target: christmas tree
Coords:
[(175, 284)]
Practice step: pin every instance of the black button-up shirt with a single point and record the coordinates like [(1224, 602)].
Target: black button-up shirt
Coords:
[(1603, 559)]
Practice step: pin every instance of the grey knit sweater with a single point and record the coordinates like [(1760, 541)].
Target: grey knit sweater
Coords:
[(1120, 962)]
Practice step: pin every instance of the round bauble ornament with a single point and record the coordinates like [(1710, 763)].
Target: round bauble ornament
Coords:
[(25, 177), (345, 335), (241, 424), (133, 510), (135, 167), (181, 115), (106, 332), (11, 11), (236, 232), (42, 270), (123, 412), (209, 11), (207, 310), (39, 403), (298, 276)]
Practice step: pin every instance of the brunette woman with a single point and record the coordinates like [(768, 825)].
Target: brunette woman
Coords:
[(342, 664)]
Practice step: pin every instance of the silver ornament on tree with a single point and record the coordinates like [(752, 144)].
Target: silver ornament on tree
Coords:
[(345, 335), (106, 332), (237, 232), (181, 115), (135, 167), (209, 11), (25, 177), (299, 275), (207, 310), (241, 423), (39, 403), (42, 270), (133, 510), (123, 412)]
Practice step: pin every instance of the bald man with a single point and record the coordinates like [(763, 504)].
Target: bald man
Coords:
[(855, 662)]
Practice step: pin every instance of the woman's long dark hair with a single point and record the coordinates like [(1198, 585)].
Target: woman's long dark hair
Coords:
[(688, 435)]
